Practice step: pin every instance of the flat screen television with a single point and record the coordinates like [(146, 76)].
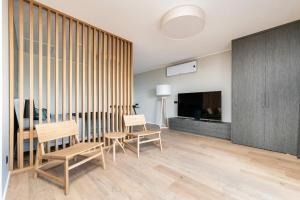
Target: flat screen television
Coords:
[(200, 105)]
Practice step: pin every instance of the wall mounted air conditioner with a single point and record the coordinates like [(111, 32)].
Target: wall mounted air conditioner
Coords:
[(183, 68)]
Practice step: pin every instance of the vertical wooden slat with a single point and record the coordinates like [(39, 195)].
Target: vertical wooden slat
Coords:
[(40, 64), (21, 84), (56, 73), (113, 86), (70, 69), (108, 83), (83, 84), (31, 82), (125, 79), (64, 59), (48, 65), (48, 71), (70, 74), (77, 72), (104, 45), (94, 92), (117, 83), (132, 75), (99, 85), (129, 107), (40, 18), (64, 71), (89, 84), (11, 84), (121, 85)]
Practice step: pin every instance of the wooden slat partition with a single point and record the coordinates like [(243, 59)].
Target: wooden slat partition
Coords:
[(91, 76)]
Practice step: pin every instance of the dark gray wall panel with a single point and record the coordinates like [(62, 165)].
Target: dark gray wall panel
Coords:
[(282, 88), (248, 91), (298, 154)]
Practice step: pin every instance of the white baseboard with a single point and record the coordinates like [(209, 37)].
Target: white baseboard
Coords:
[(6, 186)]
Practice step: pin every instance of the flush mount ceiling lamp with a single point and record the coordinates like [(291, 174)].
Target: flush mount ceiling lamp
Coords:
[(183, 21)]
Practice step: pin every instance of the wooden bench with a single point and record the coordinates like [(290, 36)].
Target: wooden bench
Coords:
[(139, 136), (52, 131)]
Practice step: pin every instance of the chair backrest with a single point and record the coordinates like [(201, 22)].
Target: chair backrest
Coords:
[(134, 120), (56, 130)]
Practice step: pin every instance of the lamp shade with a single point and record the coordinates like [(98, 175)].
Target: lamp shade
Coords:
[(163, 90)]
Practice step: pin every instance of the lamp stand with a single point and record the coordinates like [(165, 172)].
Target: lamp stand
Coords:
[(163, 113)]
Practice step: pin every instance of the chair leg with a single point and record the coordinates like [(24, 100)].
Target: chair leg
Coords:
[(138, 146), (160, 142), (121, 145), (66, 177), (102, 156), (114, 150), (36, 162)]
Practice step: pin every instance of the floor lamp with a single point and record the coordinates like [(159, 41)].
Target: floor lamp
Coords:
[(163, 91)]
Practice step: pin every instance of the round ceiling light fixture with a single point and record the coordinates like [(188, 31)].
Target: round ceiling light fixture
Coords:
[(183, 21)]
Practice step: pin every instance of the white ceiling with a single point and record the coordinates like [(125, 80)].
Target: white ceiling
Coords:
[(139, 21)]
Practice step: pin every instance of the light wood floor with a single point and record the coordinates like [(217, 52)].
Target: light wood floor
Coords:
[(190, 167)]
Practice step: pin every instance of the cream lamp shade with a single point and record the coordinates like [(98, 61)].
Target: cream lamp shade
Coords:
[(163, 90)]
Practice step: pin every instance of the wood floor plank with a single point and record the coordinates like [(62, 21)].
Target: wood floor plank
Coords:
[(190, 167)]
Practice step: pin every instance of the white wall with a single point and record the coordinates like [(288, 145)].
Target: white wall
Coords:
[(1, 96), (4, 96), (214, 73)]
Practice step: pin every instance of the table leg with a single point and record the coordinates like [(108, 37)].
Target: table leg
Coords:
[(114, 150)]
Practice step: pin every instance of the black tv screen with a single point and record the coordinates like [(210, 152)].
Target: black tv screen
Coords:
[(200, 105)]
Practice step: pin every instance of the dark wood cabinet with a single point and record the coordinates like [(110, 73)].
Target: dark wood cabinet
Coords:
[(265, 90), (208, 128), (248, 68)]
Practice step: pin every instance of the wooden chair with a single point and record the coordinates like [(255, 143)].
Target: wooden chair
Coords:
[(140, 137), (52, 131)]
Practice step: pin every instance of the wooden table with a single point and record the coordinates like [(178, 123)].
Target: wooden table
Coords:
[(116, 137)]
